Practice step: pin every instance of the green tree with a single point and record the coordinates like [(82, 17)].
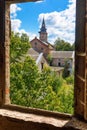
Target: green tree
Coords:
[(19, 46), (61, 45), (66, 98), (24, 77), (73, 46), (70, 79), (66, 71), (31, 88), (49, 59)]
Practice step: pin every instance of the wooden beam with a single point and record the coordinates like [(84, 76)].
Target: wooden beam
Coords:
[(80, 60), (2, 22), (20, 1)]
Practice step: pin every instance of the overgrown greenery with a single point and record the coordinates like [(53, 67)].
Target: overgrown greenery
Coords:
[(61, 45), (32, 88), (66, 71), (19, 46), (49, 59)]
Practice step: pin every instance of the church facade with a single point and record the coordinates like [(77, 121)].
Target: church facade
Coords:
[(42, 46)]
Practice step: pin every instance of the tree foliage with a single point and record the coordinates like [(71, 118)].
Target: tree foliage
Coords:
[(61, 45), (19, 46), (66, 71), (32, 88), (49, 59), (23, 80)]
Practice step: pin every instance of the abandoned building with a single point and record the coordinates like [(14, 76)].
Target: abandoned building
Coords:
[(14, 117), (60, 57), (38, 57), (43, 47)]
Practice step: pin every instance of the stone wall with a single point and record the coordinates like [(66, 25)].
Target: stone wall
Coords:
[(39, 46)]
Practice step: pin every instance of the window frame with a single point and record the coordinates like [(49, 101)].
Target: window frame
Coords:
[(80, 54)]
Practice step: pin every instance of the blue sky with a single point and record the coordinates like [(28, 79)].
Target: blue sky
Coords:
[(59, 18)]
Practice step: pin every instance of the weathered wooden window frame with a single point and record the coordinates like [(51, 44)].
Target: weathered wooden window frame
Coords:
[(80, 59)]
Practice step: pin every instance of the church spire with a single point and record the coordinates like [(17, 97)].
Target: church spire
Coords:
[(43, 32), (43, 27)]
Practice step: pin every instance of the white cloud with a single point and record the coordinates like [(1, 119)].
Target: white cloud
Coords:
[(61, 24), (16, 23), (31, 35), (13, 9), (40, 1)]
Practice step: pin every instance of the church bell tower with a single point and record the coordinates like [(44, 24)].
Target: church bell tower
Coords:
[(43, 32)]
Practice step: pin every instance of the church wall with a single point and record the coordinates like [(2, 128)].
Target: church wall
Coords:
[(43, 37), (40, 47)]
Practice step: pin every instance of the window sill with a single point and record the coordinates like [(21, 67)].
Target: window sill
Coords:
[(16, 116), (36, 111), (21, 118)]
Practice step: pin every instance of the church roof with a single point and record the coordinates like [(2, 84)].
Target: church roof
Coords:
[(31, 51), (34, 54), (38, 57), (42, 42)]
